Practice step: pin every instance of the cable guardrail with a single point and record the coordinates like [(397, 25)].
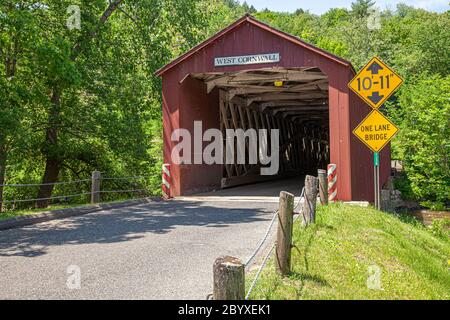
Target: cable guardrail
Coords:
[(75, 195), (258, 274), (124, 191), (50, 198), (45, 184), (124, 178), (264, 239)]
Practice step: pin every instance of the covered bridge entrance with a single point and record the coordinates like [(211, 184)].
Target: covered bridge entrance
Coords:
[(252, 76)]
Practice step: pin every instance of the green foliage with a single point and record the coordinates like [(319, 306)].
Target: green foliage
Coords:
[(108, 114), (441, 228), (422, 143), (403, 184), (415, 43), (361, 8), (334, 258)]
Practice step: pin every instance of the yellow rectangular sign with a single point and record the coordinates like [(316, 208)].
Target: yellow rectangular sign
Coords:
[(375, 131), (375, 83)]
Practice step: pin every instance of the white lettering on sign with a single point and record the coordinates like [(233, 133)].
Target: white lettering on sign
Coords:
[(243, 60)]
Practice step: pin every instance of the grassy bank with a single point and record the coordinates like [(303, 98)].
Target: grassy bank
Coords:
[(336, 256)]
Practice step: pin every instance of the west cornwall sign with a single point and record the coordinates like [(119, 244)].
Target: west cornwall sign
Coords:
[(244, 60)]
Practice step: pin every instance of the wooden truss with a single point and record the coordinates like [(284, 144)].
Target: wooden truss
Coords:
[(297, 106)]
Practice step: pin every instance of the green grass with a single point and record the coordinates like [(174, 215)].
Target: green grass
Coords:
[(334, 258), (26, 212)]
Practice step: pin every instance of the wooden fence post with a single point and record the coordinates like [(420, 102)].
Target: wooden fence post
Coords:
[(323, 186), (229, 279), (311, 190), (95, 187), (284, 233)]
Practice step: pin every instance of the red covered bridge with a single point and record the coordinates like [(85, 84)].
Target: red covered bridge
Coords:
[(250, 75)]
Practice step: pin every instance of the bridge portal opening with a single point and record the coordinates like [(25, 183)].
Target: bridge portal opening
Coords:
[(293, 101)]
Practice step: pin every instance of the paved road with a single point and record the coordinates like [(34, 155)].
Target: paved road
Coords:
[(161, 250)]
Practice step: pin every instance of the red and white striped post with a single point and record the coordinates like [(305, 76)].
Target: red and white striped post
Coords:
[(166, 181), (332, 183)]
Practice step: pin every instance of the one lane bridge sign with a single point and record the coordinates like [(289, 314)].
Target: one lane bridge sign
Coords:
[(375, 83), (375, 131)]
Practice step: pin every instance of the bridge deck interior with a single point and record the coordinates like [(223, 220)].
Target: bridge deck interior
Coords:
[(293, 100)]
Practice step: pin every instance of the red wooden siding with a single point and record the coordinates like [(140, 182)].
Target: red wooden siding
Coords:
[(185, 102)]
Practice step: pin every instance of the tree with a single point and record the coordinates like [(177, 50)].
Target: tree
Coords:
[(122, 42), (248, 9), (18, 30), (361, 8), (62, 52), (77, 100), (423, 117)]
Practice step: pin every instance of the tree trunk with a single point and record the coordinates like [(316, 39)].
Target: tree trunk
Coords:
[(52, 167), (3, 156), (53, 161)]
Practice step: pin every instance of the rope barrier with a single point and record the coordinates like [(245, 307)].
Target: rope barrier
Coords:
[(258, 274), (45, 184), (51, 198), (300, 200), (262, 241), (123, 191), (124, 178), (266, 258), (266, 235), (71, 183)]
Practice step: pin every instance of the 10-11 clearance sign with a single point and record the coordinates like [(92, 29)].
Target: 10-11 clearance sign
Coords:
[(375, 83)]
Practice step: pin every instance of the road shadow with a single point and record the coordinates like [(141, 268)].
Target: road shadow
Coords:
[(126, 224)]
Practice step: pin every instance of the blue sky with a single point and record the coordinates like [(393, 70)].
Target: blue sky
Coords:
[(322, 6)]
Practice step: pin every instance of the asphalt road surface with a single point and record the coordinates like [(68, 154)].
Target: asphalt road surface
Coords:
[(160, 250)]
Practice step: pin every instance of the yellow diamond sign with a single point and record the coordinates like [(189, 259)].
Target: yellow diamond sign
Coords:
[(376, 131), (375, 83)]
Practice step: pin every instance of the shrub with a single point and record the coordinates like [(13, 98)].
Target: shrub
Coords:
[(423, 145)]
